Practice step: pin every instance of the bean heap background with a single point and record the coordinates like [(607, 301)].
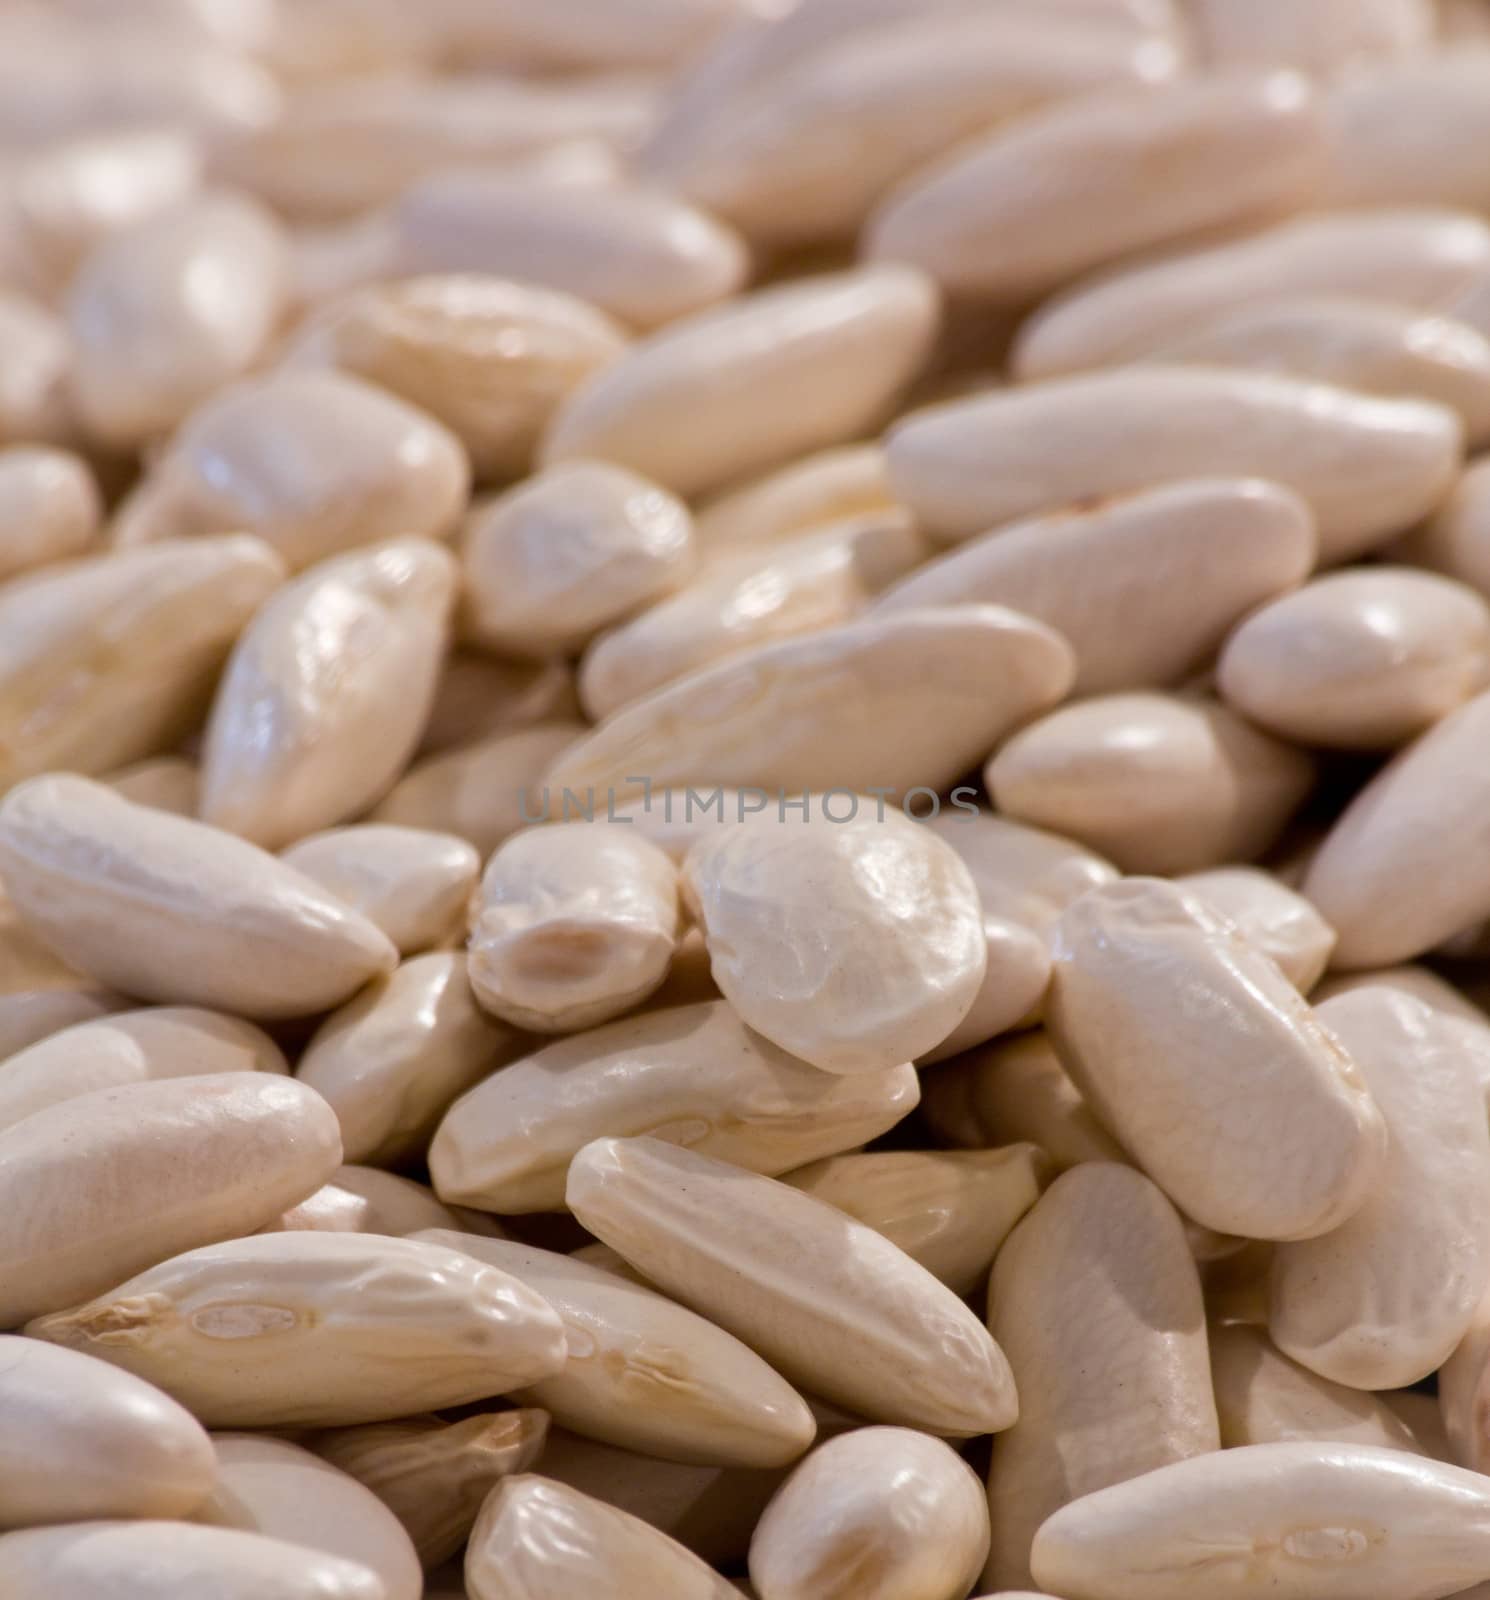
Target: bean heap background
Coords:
[(980, 501)]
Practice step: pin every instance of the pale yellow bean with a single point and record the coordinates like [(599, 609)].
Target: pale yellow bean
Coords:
[(173, 910), (410, 882), (270, 1486), (434, 1475), (50, 508), (1368, 468), (572, 927), (392, 1060), (1157, 783), (949, 1210), (85, 1441), (812, 363), (1096, 1280), (314, 463), (173, 1561), (1072, 187), (646, 1373), (1416, 256), (1365, 659), (131, 1047), (637, 254), (112, 1182), (1203, 1060), (1144, 586), (327, 691), (318, 1330), (694, 1075), (830, 1303)]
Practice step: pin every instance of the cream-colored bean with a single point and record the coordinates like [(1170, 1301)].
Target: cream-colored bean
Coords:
[(824, 486), (647, 1374), (310, 1329), (1370, 345), (1271, 916), (1402, 868), (67, 197), (588, 35), (489, 358), (568, 552), (173, 1561), (1334, 1521), (1462, 1390), (1421, 257), (30, 1014), (330, 262), (693, 1075), (1097, 1280), (1383, 1300), (131, 1047), (808, 364), (572, 926), (169, 783), (1420, 982), (63, 80), (314, 463), (1144, 587), (1263, 1398), (885, 703), (1012, 994), (949, 1210), (1071, 187), (176, 911), (539, 1540), (1361, 660), (35, 372), (1325, 37), (369, 1200), (1205, 1063), (326, 692), (1367, 467), (1405, 134), (636, 254), (479, 696), (49, 508), (1158, 783), (107, 1184), (353, 143), (167, 311), (434, 1475), (394, 1058), (1456, 539), (114, 658), (270, 1486), (84, 1441), (1022, 874), (1015, 1089), (852, 945), (823, 130), (483, 791), (410, 882), (831, 1304), (711, 1511), (872, 1515), (761, 66), (749, 597)]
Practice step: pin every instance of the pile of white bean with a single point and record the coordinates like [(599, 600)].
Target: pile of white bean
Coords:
[(744, 779)]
